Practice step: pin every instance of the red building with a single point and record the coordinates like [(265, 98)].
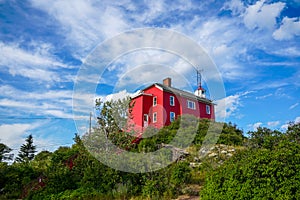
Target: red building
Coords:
[(159, 104)]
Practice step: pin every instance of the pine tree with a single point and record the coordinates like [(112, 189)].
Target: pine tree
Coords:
[(27, 150), (5, 152)]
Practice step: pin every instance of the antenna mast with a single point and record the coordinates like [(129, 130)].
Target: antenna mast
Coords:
[(90, 123), (199, 78)]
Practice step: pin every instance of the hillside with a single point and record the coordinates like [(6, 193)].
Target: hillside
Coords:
[(264, 165)]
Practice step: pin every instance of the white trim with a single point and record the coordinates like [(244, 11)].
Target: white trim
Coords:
[(159, 87), (207, 108), (171, 113), (193, 103), (172, 101), (154, 118), (155, 97)]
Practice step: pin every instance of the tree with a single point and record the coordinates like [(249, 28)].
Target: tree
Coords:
[(27, 150), (114, 114), (4, 152), (264, 138), (267, 170)]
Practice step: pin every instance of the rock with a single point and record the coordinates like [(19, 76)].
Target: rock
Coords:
[(193, 165), (224, 152), (212, 155)]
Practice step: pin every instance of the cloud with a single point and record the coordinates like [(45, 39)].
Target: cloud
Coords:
[(262, 15), (273, 123), (229, 105), (54, 103), (293, 106), (119, 95), (84, 23), (37, 64), (290, 28), (264, 96), (255, 126), (235, 6), (288, 52), (286, 125), (13, 134)]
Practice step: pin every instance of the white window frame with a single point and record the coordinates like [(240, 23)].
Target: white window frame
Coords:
[(154, 101), (145, 120), (172, 116), (172, 101), (154, 117), (208, 109), (193, 107)]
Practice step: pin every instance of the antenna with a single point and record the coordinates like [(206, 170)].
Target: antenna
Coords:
[(199, 78), (90, 123)]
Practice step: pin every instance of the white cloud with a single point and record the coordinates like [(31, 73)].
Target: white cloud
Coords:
[(37, 64), (236, 7), (264, 96), (119, 95), (255, 126), (290, 27), (229, 105), (273, 123), (55, 103), (293, 106), (13, 134), (84, 23), (262, 15), (286, 125), (289, 52)]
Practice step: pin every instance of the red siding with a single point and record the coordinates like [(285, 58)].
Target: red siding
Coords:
[(168, 108), (144, 105)]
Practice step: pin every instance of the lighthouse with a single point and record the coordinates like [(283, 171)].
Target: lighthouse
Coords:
[(200, 91)]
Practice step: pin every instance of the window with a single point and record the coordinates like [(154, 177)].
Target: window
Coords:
[(154, 101), (172, 116), (207, 109), (172, 102), (154, 117), (191, 105), (145, 120)]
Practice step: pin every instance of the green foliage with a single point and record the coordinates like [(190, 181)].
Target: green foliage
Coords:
[(231, 135), (268, 170), (264, 138), (4, 152), (27, 150), (114, 114)]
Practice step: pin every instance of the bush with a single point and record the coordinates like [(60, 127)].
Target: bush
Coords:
[(258, 174)]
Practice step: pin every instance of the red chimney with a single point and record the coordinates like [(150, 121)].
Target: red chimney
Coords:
[(167, 82)]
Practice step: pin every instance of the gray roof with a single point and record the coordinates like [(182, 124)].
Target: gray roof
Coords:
[(182, 93)]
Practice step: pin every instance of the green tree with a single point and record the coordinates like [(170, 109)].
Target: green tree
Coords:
[(27, 150), (114, 115), (267, 170), (264, 138), (5, 152)]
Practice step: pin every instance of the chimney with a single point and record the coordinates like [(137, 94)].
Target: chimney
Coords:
[(167, 82)]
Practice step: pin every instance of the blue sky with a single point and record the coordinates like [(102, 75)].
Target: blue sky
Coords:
[(43, 44)]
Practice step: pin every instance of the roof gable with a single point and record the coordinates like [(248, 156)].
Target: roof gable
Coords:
[(179, 92)]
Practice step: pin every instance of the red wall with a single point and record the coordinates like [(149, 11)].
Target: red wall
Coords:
[(144, 105), (169, 108), (159, 109)]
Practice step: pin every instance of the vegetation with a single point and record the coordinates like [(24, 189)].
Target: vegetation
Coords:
[(263, 166), (27, 150), (5, 152), (269, 169)]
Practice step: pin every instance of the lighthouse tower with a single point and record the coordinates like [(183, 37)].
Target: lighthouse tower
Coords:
[(200, 91)]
